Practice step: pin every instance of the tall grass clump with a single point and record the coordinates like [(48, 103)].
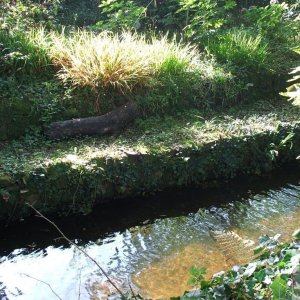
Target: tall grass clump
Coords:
[(23, 52), (243, 48), (123, 62), (159, 73)]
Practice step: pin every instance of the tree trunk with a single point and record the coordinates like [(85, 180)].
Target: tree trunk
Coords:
[(109, 123)]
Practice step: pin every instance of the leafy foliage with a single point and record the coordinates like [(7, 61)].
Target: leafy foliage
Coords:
[(271, 275), (293, 91), (25, 14), (120, 14), (204, 16)]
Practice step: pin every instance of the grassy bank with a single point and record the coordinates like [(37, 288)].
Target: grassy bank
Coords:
[(50, 76), (198, 79), (189, 148), (49, 72)]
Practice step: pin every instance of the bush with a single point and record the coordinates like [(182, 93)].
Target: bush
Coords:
[(276, 21), (255, 58), (158, 73)]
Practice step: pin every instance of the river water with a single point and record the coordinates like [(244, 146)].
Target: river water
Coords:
[(148, 244)]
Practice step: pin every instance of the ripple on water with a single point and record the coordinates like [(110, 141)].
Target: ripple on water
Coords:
[(155, 257)]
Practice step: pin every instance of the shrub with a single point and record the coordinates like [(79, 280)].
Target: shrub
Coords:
[(122, 14), (160, 74), (204, 17), (276, 21)]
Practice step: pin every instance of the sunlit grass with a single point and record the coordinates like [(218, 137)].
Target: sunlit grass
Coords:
[(23, 52), (243, 48), (122, 62), (190, 130)]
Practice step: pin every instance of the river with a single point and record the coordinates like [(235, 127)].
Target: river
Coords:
[(148, 243)]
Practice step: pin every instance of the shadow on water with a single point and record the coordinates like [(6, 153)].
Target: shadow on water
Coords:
[(150, 241), (125, 213)]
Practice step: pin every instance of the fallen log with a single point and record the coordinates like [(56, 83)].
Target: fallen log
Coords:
[(109, 123)]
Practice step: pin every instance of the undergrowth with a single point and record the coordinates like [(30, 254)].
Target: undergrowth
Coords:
[(244, 48), (120, 61), (274, 274), (90, 71), (105, 71)]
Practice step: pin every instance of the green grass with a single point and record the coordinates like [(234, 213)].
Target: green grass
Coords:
[(193, 147), (47, 76), (187, 130), (23, 52), (246, 49), (161, 74), (119, 61)]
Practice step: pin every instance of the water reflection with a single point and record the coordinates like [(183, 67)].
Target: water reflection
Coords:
[(153, 257), (169, 276)]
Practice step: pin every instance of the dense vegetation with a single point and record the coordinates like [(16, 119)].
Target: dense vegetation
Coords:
[(58, 61), (202, 73)]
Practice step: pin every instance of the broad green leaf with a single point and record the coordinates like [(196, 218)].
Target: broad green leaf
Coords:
[(279, 288)]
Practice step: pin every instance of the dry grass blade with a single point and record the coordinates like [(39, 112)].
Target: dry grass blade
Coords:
[(120, 61)]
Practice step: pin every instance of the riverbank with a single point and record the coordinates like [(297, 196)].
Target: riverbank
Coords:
[(189, 148)]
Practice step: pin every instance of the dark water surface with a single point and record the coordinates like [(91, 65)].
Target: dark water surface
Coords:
[(148, 242)]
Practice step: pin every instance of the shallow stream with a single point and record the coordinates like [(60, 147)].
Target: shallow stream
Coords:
[(148, 243)]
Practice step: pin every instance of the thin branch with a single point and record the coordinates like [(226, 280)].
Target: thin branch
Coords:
[(46, 283), (79, 287), (79, 248), (132, 292)]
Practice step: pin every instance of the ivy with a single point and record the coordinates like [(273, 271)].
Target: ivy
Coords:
[(271, 276)]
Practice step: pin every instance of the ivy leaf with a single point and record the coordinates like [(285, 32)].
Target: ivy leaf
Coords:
[(258, 250), (279, 288), (260, 275), (250, 269)]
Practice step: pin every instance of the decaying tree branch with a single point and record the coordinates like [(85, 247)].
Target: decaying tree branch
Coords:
[(109, 123), (78, 248)]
